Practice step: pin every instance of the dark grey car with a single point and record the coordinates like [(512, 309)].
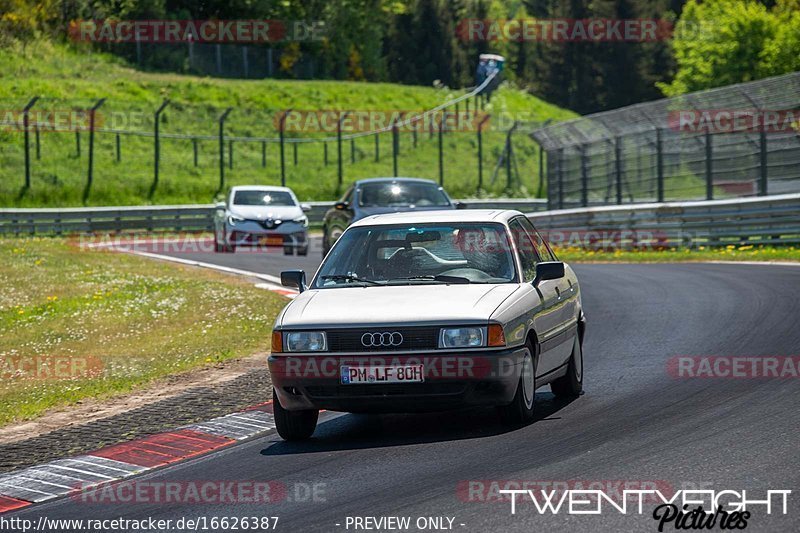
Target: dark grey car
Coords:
[(376, 196)]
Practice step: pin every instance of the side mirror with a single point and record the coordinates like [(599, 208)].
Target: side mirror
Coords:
[(461, 205), (305, 207), (294, 278), (549, 270), (341, 205)]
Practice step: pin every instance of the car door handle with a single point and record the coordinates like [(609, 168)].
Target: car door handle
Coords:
[(558, 292)]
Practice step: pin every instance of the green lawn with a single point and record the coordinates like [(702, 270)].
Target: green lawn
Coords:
[(76, 324), (67, 79), (671, 255)]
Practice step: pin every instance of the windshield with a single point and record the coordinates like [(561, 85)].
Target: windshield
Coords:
[(282, 198), (419, 254), (402, 194)]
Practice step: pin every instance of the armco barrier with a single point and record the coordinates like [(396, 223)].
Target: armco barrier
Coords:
[(167, 218), (763, 220)]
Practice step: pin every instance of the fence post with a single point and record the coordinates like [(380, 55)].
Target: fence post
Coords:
[(584, 176), (339, 174), (222, 149), (762, 159), (540, 189), (156, 146), (560, 177), (395, 147), (509, 153), (480, 152), (659, 166), (352, 151), (38, 144), (281, 127), (78, 143), (294, 154), (27, 141), (618, 159), (709, 168), (325, 151), (263, 154), (441, 155), (119, 149), (377, 147), (90, 176)]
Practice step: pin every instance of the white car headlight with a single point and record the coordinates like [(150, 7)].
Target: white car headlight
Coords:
[(305, 341), (462, 337), (303, 221), (233, 220)]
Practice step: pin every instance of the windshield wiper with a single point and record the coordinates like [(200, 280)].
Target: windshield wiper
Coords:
[(440, 278), (348, 277)]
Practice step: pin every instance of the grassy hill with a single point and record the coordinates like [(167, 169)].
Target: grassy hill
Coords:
[(67, 79)]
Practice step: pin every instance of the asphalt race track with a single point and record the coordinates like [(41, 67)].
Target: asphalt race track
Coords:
[(635, 422)]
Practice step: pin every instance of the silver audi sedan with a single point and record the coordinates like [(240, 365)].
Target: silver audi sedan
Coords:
[(428, 311)]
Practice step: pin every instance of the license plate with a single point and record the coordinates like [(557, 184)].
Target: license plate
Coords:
[(382, 374), (271, 240)]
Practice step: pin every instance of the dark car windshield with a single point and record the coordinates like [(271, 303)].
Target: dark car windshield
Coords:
[(263, 198), (402, 194), (419, 254)]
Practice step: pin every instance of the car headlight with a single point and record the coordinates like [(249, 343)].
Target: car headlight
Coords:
[(233, 220), (303, 221), (305, 341), (462, 337)]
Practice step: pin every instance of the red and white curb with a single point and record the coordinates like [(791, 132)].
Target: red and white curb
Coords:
[(68, 476)]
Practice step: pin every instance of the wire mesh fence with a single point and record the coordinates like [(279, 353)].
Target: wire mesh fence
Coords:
[(98, 152), (736, 141)]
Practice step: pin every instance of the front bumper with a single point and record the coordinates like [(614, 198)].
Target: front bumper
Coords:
[(288, 234), (452, 380)]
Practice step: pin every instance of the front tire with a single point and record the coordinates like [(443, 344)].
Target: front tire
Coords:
[(570, 384), (521, 408), (293, 425)]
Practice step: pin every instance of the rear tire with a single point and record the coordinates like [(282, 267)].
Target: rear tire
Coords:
[(521, 408), (570, 384), (303, 250), (288, 250), (293, 425)]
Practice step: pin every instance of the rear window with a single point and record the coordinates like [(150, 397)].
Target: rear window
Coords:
[(401, 194)]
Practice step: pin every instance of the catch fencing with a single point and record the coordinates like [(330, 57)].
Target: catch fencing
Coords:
[(736, 141)]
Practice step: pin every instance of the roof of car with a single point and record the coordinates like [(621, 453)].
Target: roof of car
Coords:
[(260, 188), (444, 216), (391, 180)]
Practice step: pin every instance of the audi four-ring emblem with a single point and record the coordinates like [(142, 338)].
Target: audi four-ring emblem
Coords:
[(385, 338)]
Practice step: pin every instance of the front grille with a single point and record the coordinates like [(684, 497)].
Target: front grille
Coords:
[(349, 340)]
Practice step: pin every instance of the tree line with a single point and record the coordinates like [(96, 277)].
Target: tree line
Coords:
[(701, 44)]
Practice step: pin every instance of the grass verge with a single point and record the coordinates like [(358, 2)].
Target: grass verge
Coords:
[(674, 255), (78, 324)]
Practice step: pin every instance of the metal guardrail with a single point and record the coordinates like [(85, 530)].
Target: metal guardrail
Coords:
[(167, 218), (765, 220)]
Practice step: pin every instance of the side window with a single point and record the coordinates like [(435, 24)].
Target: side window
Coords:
[(527, 252), (541, 246)]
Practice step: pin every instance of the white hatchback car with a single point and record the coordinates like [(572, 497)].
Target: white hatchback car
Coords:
[(261, 216)]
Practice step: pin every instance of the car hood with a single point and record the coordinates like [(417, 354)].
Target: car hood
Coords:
[(395, 305), (263, 212)]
